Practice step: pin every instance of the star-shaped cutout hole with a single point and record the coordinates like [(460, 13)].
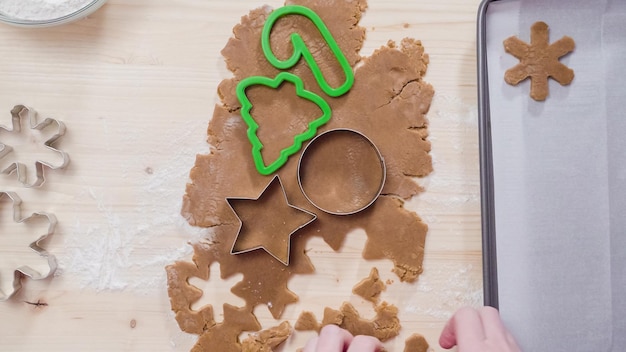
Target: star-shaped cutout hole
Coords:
[(539, 60), (268, 221)]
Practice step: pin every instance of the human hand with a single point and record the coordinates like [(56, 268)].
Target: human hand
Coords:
[(335, 339), (477, 330)]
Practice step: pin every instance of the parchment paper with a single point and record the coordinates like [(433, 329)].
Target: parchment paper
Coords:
[(613, 41), (560, 179)]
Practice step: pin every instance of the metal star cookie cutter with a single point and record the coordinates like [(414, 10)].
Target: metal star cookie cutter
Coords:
[(234, 251), (26, 270), (379, 185), (17, 113)]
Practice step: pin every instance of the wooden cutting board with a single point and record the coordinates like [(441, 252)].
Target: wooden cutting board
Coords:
[(135, 84)]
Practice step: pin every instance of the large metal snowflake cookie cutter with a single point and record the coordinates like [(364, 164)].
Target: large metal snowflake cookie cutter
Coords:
[(17, 113), (25, 270)]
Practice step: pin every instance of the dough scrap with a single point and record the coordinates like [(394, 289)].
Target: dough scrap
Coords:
[(384, 326), (267, 340), (539, 60), (370, 287), (416, 343), (224, 337), (307, 322)]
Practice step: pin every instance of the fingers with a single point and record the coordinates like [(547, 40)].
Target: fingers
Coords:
[(492, 323), (447, 339), (465, 327), (511, 342), (332, 338), (493, 327), (362, 343), (477, 330), (311, 345)]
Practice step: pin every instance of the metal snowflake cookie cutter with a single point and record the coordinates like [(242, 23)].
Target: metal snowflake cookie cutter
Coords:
[(17, 113), (25, 270), (275, 222), (331, 163)]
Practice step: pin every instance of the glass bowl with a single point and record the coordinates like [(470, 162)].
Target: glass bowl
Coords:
[(82, 12)]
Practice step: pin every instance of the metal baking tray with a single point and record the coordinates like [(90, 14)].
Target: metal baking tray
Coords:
[(553, 178)]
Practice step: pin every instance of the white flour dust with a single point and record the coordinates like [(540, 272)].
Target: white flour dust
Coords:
[(127, 244), (460, 289), (39, 10)]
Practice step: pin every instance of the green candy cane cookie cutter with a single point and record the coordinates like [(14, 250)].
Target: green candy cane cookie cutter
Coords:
[(300, 50)]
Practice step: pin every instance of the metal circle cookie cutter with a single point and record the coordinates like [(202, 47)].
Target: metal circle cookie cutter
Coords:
[(378, 155)]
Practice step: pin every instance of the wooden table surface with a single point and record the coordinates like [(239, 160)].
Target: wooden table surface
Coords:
[(135, 84)]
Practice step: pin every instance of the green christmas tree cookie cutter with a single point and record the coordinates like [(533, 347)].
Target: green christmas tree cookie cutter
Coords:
[(300, 50), (253, 126)]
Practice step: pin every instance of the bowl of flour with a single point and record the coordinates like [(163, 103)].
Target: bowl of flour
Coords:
[(44, 13)]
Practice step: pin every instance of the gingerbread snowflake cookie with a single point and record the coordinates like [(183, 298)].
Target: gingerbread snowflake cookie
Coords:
[(539, 60)]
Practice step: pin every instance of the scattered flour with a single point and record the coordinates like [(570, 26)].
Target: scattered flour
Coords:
[(38, 10), (127, 245), (460, 288)]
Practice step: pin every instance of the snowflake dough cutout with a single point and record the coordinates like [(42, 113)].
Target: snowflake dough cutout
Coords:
[(52, 128), (539, 60), (25, 270)]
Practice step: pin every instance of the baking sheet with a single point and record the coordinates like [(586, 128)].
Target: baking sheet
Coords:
[(559, 179)]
